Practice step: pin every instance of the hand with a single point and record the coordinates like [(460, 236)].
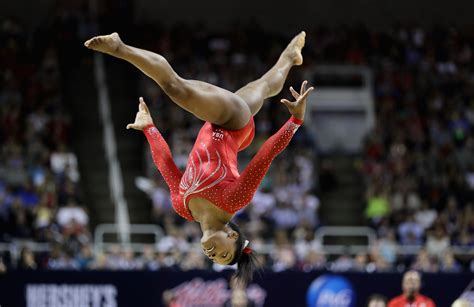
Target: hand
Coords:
[(143, 118), (297, 108)]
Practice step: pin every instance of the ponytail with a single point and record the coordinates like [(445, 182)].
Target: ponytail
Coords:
[(245, 258)]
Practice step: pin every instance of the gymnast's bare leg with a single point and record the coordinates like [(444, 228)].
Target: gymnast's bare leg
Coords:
[(206, 101), (271, 83)]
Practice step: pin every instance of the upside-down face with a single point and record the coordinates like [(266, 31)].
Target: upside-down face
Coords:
[(220, 245)]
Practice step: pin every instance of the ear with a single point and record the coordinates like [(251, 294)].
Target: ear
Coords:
[(232, 234)]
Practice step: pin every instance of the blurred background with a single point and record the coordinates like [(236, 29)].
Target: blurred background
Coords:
[(379, 179)]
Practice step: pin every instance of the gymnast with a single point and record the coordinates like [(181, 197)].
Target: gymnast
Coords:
[(211, 190)]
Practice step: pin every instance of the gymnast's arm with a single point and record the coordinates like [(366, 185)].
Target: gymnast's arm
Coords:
[(160, 150), (241, 191)]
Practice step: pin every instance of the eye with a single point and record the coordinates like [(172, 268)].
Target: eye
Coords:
[(225, 255)]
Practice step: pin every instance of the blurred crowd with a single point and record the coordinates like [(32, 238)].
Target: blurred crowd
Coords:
[(418, 162), (40, 197), (419, 159)]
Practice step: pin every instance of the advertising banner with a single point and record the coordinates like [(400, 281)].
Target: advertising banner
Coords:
[(205, 288)]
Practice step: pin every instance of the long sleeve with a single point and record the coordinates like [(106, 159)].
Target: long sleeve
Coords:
[(241, 191), (163, 159)]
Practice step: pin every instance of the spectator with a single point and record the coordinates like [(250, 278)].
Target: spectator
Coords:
[(376, 300), (64, 163), (377, 262), (72, 213), (128, 261), (410, 232), (388, 248), (285, 216), (426, 216), (284, 259), (461, 303), (101, 263), (411, 293), (360, 262), (437, 243), (86, 258), (313, 260), (449, 264), (343, 264), (44, 214), (377, 207), (62, 261), (193, 260), (148, 259), (424, 262), (27, 261), (465, 240)]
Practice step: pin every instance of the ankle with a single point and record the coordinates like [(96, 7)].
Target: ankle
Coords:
[(121, 50)]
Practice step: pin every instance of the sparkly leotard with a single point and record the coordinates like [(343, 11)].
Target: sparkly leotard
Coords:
[(211, 172)]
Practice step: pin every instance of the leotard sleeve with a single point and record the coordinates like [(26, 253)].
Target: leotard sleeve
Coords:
[(163, 159), (239, 193)]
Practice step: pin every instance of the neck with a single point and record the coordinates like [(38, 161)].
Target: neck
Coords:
[(210, 223), (207, 215), (411, 296)]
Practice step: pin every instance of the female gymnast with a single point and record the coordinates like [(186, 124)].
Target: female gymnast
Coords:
[(211, 190)]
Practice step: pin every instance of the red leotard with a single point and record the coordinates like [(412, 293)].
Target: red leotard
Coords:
[(211, 172), (420, 301)]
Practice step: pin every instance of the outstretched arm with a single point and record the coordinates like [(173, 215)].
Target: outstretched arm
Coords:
[(241, 192), (160, 150)]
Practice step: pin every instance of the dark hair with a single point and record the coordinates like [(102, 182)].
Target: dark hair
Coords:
[(376, 297), (247, 263)]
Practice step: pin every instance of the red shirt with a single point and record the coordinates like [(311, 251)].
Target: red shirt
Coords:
[(420, 301), (211, 172)]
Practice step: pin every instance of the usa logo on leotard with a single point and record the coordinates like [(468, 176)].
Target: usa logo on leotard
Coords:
[(218, 135)]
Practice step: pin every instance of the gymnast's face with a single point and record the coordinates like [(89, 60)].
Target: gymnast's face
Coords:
[(220, 246)]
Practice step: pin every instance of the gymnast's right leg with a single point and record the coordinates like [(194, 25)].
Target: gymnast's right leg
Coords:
[(206, 101)]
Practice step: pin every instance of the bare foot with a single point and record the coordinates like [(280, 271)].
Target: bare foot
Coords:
[(105, 43), (293, 50)]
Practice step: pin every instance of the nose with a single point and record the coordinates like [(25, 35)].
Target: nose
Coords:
[(212, 255)]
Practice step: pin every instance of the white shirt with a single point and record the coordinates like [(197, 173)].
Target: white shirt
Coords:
[(67, 214)]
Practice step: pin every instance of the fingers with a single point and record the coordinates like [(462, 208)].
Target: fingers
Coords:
[(286, 102), (294, 93), (297, 95), (303, 86), (305, 95), (134, 126), (142, 107)]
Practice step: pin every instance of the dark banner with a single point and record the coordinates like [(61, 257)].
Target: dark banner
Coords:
[(198, 288)]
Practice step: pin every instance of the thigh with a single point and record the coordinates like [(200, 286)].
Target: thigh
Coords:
[(253, 94), (214, 104)]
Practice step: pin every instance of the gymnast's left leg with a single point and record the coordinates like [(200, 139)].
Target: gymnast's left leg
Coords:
[(271, 83)]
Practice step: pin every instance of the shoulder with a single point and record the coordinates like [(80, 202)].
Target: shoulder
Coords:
[(427, 300), (394, 302)]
